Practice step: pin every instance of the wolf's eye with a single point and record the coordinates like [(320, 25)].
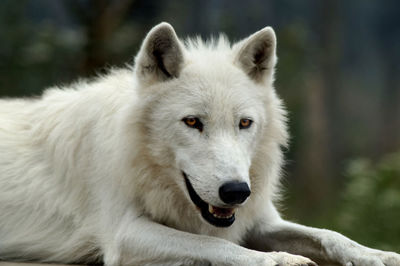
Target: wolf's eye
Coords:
[(245, 123), (193, 122)]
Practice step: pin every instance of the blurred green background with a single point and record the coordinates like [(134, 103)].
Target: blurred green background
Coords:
[(338, 72)]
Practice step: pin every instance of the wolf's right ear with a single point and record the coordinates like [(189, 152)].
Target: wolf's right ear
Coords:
[(161, 55), (256, 55)]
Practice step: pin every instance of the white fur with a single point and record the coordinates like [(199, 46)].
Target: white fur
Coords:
[(92, 171)]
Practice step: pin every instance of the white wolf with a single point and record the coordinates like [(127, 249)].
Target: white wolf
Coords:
[(155, 165)]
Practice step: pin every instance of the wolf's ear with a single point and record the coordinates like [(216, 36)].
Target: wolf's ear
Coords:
[(256, 54), (161, 55)]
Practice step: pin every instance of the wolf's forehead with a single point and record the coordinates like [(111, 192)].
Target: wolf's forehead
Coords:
[(214, 95)]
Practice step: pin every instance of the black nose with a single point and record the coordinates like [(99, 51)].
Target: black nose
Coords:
[(234, 192)]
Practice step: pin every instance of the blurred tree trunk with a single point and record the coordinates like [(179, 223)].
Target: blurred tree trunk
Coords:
[(317, 156), (100, 22), (388, 139)]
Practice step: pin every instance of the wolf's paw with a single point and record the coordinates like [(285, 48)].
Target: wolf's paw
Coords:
[(277, 259), (389, 258), (375, 258), (286, 259)]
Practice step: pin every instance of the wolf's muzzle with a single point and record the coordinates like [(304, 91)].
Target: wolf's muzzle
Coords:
[(217, 216)]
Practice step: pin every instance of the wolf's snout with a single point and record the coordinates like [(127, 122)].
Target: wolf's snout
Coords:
[(234, 192)]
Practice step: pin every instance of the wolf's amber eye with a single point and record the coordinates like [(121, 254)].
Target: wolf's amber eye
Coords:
[(245, 123), (193, 122)]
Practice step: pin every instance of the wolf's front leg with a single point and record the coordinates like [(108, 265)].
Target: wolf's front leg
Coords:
[(321, 245), (144, 242)]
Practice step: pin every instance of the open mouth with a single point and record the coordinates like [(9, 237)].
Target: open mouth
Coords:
[(220, 217)]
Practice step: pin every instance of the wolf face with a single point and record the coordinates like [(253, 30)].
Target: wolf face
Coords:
[(213, 119)]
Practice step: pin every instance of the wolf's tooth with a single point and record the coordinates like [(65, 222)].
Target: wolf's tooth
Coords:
[(214, 211)]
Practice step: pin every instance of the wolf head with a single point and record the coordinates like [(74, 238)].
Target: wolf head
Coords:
[(212, 116)]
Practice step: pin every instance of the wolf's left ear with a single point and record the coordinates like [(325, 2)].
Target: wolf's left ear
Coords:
[(256, 54), (161, 55)]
